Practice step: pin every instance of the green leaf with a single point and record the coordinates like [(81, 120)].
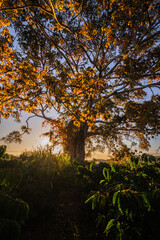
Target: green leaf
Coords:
[(119, 205), (131, 215), (120, 231), (92, 165), (145, 175), (114, 198), (94, 198), (102, 181), (90, 198), (106, 173), (146, 201), (113, 168), (109, 226), (94, 201), (127, 212)]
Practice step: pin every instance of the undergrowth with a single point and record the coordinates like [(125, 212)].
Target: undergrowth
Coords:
[(79, 201)]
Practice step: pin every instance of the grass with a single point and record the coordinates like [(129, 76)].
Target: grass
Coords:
[(50, 186)]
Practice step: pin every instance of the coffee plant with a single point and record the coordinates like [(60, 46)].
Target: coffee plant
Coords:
[(125, 202)]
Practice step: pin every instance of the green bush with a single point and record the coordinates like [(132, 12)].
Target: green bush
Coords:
[(13, 211), (11, 208), (126, 200), (123, 200), (43, 173), (2, 150), (10, 174)]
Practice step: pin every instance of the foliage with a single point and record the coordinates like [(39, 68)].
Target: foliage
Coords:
[(13, 211), (45, 159), (95, 62), (125, 202), (11, 208), (3, 153), (2, 150), (10, 175), (42, 177), (122, 200)]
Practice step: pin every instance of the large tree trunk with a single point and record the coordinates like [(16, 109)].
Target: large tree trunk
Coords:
[(76, 141)]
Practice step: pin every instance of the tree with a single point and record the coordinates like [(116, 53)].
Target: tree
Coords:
[(95, 62)]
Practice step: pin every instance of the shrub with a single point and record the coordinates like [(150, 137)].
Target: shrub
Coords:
[(126, 200), (13, 211)]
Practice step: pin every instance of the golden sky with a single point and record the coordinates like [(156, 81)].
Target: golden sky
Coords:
[(35, 139)]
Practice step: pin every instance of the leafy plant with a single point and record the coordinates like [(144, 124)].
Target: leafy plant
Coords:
[(2, 150), (13, 211), (3, 154), (10, 174), (125, 201)]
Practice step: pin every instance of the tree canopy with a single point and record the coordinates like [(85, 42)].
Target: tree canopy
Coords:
[(96, 62)]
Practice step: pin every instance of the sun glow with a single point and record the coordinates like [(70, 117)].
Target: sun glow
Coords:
[(45, 142)]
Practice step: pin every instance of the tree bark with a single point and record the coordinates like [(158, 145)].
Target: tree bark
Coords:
[(76, 141)]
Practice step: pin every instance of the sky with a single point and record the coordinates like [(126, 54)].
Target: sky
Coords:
[(34, 140), (29, 142)]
